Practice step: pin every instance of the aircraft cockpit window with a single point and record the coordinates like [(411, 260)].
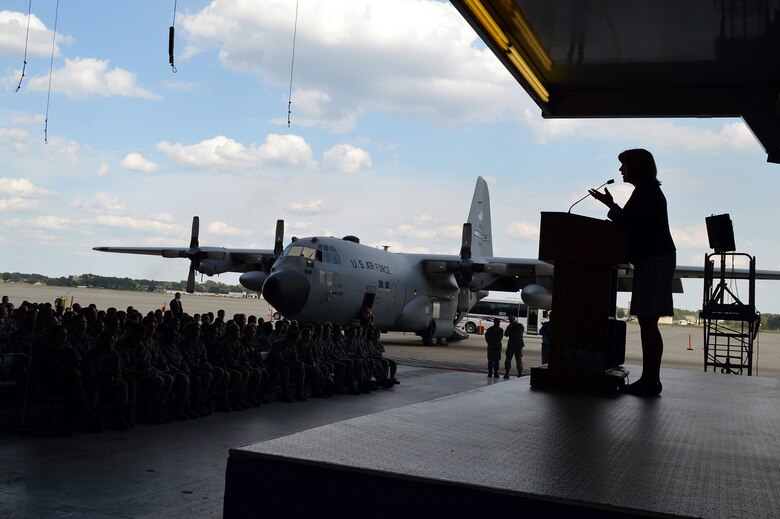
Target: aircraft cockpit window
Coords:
[(310, 253), (328, 254)]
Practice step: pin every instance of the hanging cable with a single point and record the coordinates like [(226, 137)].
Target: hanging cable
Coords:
[(292, 65), (51, 68), (171, 32), (26, 39)]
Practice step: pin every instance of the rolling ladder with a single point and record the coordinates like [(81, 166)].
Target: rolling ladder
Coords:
[(730, 326)]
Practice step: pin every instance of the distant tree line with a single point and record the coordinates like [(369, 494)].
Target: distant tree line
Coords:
[(768, 321), (115, 283)]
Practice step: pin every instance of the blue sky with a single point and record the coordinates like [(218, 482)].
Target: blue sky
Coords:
[(397, 108)]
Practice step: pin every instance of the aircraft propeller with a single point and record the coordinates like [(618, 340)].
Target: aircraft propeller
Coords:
[(279, 239), (195, 254), (465, 269), (268, 261)]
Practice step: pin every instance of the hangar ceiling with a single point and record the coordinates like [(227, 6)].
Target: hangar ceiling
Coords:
[(641, 58)]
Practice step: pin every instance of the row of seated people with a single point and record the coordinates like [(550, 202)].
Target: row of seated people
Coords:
[(158, 368)]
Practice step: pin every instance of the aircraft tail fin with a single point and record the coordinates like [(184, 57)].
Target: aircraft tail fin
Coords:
[(479, 218)]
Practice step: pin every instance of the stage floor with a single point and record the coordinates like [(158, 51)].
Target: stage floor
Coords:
[(708, 447)]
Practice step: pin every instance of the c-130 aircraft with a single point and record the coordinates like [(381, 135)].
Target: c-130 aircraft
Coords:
[(328, 279)]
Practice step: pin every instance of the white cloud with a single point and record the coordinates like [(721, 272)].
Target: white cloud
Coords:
[(140, 224), (21, 187), (99, 202), (224, 152), (413, 231), (219, 228), (13, 32), (316, 108), (69, 149), (13, 134), (103, 170), (27, 119), (523, 230), (312, 207), (289, 150), (16, 138), (347, 158), (692, 237), (137, 162), (352, 57), (50, 222), (163, 217), (18, 204), (86, 77), (654, 134)]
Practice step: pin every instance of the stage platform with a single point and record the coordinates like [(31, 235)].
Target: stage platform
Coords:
[(708, 447)]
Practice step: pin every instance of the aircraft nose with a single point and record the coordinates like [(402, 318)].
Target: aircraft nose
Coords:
[(287, 291)]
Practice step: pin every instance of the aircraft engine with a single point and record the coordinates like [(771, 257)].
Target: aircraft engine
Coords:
[(214, 266), (253, 280), (442, 328), (537, 296), (287, 291)]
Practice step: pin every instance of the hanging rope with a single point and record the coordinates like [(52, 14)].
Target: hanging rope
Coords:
[(171, 32), (26, 39), (51, 68), (292, 66)]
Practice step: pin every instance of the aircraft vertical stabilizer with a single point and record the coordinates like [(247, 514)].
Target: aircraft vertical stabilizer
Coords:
[(479, 218)]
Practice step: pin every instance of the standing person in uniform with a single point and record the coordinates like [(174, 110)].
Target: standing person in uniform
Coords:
[(176, 308), (652, 252), (493, 337), (514, 346)]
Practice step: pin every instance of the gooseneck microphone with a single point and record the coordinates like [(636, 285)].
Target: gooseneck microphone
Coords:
[(610, 181)]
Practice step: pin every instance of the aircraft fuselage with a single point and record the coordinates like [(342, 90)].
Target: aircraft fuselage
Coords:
[(332, 279)]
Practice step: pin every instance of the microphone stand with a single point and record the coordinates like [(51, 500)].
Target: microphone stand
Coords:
[(610, 181)]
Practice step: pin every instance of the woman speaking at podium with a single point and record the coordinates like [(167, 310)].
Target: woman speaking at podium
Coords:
[(652, 252)]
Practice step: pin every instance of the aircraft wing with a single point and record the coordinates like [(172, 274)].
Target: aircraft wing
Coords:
[(212, 260), (492, 273), (535, 277), (686, 271), (166, 252)]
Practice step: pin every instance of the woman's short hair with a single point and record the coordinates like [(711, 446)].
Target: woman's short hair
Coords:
[(641, 163)]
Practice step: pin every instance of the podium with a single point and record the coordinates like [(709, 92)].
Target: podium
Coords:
[(588, 343)]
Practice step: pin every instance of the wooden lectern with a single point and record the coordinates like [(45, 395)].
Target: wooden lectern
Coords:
[(587, 343)]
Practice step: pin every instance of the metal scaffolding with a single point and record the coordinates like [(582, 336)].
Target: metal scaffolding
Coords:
[(730, 326)]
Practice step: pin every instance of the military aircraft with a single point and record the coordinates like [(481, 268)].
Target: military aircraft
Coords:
[(329, 279)]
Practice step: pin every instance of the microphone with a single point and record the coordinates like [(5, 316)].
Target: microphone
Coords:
[(610, 181)]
